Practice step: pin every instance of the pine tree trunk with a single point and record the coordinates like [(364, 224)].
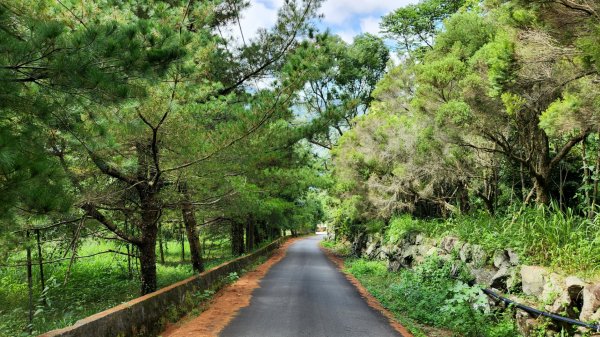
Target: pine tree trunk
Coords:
[(237, 238), (182, 242), (129, 270), (541, 171), (148, 266), (258, 239), (250, 234), (150, 212), (523, 190), (189, 220), (463, 198)]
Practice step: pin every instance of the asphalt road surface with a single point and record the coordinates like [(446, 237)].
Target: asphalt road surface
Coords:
[(305, 295)]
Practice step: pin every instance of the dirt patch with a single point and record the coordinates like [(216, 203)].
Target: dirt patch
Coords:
[(226, 302), (371, 301)]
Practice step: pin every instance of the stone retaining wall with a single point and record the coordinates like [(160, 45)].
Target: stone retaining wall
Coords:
[(143, 315), (501, 270)]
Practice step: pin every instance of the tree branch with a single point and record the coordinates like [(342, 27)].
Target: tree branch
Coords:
[(93, 212), (568, 146)]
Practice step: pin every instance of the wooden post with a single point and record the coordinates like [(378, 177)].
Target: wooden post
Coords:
[(182, 239), (160, 244), (129, 252), (29, 283), (41, 264)]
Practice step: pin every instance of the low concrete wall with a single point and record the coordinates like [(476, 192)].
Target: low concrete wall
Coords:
[(142, 316)]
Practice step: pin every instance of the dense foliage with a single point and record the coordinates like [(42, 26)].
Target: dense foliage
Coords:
[(429, 295), (127, 127), (492, 108)]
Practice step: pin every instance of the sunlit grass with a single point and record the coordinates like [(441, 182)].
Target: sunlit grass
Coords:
[(92, 284), (542, 236)]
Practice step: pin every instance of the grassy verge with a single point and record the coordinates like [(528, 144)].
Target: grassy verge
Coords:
[(428, 301), (543, 236), (92, 285)]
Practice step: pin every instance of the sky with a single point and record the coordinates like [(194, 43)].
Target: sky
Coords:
[(346, 18)]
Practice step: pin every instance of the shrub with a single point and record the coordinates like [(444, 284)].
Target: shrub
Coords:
[(338, 248), (434, 293), (544, 235)]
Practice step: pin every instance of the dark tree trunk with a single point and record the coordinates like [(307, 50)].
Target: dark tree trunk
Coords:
[(148, 266), (189, 220), (463, 198), (129, 252), (250, 234), (182, 242), (41, 265), (258, 238), (150, 212), (489, 205), (275, 233), (237, 238), (586, 174), (30, 284), (160, 245), (540, 184), (595, 193)]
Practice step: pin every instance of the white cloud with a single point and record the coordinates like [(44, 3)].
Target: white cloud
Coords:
[(347, 35), (261, 14), (395, 58), (370, 24), (346, 18), (339, 12)]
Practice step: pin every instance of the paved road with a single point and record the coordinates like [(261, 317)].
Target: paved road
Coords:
[(305, 295)]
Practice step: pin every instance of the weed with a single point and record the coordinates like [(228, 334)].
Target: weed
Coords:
[(434, 293), (544, 236), (232, 277), (338, 248)]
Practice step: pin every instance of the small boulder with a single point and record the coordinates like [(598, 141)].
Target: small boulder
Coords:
[(500, 258), (423, 250), (500, 279), (372, 249), (483, 276), (554, 294), (393, 265), (466, 253), (390, 250), (478, 256), (525, 323), (513, 257), (434, 251), (591, 303), (533, 280), (450, 243)]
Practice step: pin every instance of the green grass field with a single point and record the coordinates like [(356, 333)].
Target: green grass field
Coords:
[(93, 284)]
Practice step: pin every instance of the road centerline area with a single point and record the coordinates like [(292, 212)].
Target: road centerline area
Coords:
[(306, 295)]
